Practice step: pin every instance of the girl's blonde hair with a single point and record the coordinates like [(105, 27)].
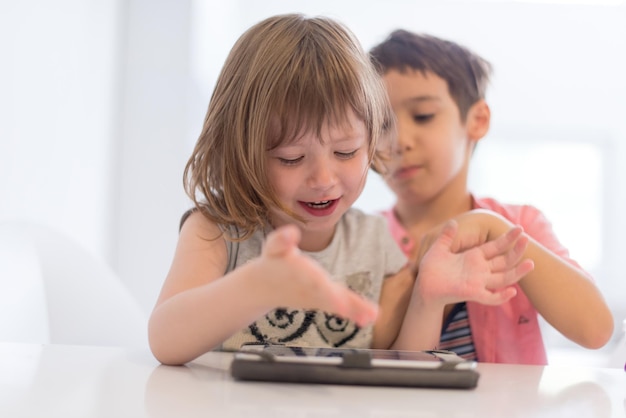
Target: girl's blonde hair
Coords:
[(285, 76)]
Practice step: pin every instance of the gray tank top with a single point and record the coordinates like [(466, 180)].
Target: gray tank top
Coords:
[(361, 254)]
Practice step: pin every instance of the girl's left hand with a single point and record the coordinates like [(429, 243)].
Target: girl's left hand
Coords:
[(484, 273)]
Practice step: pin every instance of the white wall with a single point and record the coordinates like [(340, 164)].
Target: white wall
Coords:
[(58, 86), (101, 101), (94, 109), (153, 142)]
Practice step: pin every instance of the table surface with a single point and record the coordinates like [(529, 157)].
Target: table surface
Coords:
[(86, 381)]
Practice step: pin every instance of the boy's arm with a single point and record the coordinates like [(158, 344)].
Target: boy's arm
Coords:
[(565, 297), (561, 292)]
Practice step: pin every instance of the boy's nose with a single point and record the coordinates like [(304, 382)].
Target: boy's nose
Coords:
[(402, 144), (403, 141)]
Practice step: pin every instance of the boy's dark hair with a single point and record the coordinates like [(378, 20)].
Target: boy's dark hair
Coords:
[(466, 73)]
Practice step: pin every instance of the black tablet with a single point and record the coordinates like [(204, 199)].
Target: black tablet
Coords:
[(278, 363)]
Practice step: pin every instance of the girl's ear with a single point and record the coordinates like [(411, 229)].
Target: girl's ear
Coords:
[(478, 120)]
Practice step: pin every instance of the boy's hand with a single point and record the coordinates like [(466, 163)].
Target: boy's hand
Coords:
[(484, 273), (299, 281)]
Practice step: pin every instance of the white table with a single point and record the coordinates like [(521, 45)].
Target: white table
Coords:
[(84, 381)]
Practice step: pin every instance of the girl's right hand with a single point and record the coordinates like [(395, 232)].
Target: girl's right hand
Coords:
[(302, 283)]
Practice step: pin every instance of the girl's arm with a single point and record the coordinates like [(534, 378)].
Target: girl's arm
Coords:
[(199, 307), (403, 309)]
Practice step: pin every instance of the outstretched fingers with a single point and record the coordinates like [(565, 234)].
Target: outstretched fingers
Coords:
[(485, 273), (282, 241), (344, 302), (506, 261), (496, 297), (305, 283), (507, 253), (358, 309), (504, 242)]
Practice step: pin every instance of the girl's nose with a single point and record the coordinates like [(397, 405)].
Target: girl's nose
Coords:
[(322, 175)]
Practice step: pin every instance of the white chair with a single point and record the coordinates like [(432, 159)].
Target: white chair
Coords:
[(54, 291)]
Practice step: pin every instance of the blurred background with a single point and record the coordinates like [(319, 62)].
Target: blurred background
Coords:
[(101, 102)]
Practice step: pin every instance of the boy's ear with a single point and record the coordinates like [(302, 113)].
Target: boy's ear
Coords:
[(478, 120)]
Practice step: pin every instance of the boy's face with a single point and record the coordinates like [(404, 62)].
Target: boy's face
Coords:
[(319, 179), (432, 148)]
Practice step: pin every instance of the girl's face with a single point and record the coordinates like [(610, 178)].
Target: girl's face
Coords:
[(319, 179)]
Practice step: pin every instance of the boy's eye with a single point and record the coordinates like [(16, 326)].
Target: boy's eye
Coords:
[(423, 117), (290, 161), (345, 155)]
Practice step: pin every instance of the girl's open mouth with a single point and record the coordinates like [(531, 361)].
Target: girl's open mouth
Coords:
[(320, 208)]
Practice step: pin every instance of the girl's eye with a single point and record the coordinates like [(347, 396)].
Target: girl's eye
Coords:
[(423, 118), (287, 161), (345, 155)]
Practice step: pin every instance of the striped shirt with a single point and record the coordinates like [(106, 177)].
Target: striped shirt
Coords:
[(456, 334)]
